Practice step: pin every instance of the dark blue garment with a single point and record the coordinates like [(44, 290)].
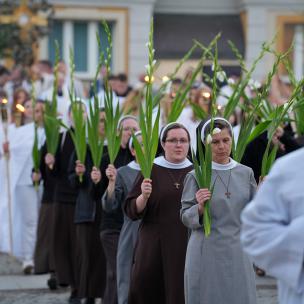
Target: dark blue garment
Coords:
[(85, 209)]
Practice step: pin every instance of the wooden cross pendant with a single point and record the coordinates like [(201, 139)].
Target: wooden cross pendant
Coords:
[(228, 194), (176, 185)]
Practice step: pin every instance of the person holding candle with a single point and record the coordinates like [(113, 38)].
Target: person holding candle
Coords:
[(24, 199)]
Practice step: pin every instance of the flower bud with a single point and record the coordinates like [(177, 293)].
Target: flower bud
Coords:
[(221, 75), (209, 139), (216, 131)]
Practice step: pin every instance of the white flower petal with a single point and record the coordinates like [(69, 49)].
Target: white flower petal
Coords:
[(216, 131), (231, 81), (212, 67), (257, 84), (147, 67), (221, 75), (254, 84), (209, 139)]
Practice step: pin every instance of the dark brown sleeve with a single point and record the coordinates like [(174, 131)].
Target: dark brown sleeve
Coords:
[(130, 203)]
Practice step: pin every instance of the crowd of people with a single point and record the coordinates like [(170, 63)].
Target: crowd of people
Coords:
[(122, 237)]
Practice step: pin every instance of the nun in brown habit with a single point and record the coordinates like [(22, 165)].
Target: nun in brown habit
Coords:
[(158, 267)]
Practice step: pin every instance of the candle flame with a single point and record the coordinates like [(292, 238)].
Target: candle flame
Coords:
[(20, 108), (219, 107), (4, 101)]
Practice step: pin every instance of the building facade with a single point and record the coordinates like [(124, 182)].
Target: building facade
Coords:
[(247, 23)]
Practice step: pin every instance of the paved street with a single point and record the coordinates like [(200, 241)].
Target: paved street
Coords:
[(16, 288)]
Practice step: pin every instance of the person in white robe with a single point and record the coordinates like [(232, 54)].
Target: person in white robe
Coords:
[(63, 98), (24, 198), (273, 226)]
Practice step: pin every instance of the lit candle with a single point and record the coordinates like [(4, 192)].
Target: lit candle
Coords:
[(20, 108)]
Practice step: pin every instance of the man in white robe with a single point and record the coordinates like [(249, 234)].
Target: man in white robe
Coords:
[(273, 227)]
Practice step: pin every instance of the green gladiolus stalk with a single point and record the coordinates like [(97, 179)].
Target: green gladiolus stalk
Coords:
[(203, 173), (179, 100), (95, 142), (254, 108), (298, 107), (78, 110), (112, 114), (51, 122), (146, 152), (203, 165), (161, 90), (277, 118)]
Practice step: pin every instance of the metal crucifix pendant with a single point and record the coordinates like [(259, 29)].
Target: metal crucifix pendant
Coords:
[(176, 185), (228, 194)]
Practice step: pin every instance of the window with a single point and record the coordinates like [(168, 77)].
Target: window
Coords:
[(80, 46), (291, 29), (55, 35), (76, 27)]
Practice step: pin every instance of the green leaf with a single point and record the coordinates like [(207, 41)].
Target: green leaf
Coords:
[(272, 158), (52, 128), (140, 157), (149, 128), (265, 161), (258, 130), (198, 111)]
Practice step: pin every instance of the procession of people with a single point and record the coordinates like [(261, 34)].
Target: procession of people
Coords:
[(107, 231)]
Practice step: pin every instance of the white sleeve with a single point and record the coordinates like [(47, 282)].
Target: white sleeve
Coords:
[(270, 235)]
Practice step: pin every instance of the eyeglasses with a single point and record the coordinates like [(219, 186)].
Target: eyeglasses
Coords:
[(176, 141)]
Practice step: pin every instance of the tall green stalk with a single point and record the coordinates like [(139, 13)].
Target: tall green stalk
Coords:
[(203, 165), (298, 108), (180, 100), (146, 152), (51, 122), (278, 116), (112, 112), (78, 133), (95, 141)]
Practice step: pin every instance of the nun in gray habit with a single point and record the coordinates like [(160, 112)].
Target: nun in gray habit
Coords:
[(217, 271), (120, 183)]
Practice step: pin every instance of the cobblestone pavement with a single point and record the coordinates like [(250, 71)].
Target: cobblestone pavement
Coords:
[(44, 296), (16, 288)]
